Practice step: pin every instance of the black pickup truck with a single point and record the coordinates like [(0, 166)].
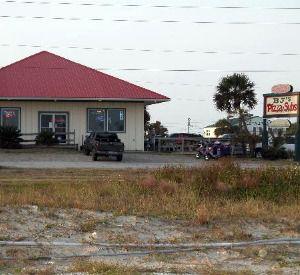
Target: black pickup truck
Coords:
[(103, 144)]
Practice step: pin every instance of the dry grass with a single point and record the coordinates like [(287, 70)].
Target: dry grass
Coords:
[(221, 191), (88, 225), (101, 268)]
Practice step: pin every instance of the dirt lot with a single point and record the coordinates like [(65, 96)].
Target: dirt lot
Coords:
[(129, 221), (67, 158), (31, 223)]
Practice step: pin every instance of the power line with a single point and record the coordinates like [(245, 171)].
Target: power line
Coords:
[(147, 6), (124, 20), (178, 70), (196, 70), (148, 50)]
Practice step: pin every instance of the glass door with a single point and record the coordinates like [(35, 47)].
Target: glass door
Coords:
[(56, 123), (60, 127)]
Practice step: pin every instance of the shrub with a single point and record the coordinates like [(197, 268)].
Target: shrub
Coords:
[(46, 138), (167, 187), (10, 137), (274, 153)]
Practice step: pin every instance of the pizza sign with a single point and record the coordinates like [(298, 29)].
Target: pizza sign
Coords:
[(281, 105)]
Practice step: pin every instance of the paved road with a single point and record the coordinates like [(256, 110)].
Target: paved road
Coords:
[(61, 158)]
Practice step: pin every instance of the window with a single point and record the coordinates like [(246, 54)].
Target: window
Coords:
[(96, 120), (10, 117), (115, 120), (106, 120)]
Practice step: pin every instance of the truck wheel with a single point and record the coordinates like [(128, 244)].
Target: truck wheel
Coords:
[(119, 158)]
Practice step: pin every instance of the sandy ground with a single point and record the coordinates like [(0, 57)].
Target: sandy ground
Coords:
[(67, 158), (30, 223)]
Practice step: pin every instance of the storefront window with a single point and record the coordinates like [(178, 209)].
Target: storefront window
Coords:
[(116, 120), (96, 120), (10, 117), (106, 120)]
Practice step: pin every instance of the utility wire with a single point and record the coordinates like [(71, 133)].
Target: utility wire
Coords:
[(173, 70), (66, 3), (123, 20), (179, 70), (149, 50)]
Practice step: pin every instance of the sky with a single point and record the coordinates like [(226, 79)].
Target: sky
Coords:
[(178, 48)]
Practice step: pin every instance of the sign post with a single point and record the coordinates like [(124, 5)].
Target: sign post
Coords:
[(284, 103), (297, 137)]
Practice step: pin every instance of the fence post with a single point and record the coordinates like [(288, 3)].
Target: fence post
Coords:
[(182, 145), (74, 141), (159, 144)]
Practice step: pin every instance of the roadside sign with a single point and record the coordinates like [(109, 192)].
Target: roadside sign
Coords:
[(285, 105)]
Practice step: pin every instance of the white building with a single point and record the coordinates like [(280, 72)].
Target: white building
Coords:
[(209, 131), (45, 92), (279, 125)]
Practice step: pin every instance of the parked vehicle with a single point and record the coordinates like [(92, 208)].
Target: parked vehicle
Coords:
[(213, 150), (185, 135), (289, 144), (103, 144)]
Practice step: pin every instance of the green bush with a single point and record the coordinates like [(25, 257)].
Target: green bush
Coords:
[(273, 153), (10, 137), (45, 138)]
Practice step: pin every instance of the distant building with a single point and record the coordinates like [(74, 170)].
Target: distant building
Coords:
[(254, 124), (279, 125), (209, 131)]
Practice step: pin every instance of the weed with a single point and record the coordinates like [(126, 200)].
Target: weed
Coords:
[(222, 191), (203, 215), (88, 225), (3, 264), (101, 268)]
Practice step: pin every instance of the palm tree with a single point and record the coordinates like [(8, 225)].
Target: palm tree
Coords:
[(235, 95)]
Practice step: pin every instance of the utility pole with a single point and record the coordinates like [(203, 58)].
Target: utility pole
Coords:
[(189, 124)]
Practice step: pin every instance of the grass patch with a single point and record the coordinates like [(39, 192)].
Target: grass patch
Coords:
[(88, 225), (220, 191), (101, 268)]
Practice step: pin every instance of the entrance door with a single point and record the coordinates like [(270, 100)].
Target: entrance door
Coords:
[(56, 123)]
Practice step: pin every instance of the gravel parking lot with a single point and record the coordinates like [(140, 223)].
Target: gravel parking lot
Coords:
[(67, 158)]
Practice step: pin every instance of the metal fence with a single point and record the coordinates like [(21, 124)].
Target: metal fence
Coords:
[(175, 144)]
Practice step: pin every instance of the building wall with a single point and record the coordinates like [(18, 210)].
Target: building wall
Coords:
[(133, 138), (209, 132)]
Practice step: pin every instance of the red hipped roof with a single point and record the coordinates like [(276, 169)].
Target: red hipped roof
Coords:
[(48, 76)]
